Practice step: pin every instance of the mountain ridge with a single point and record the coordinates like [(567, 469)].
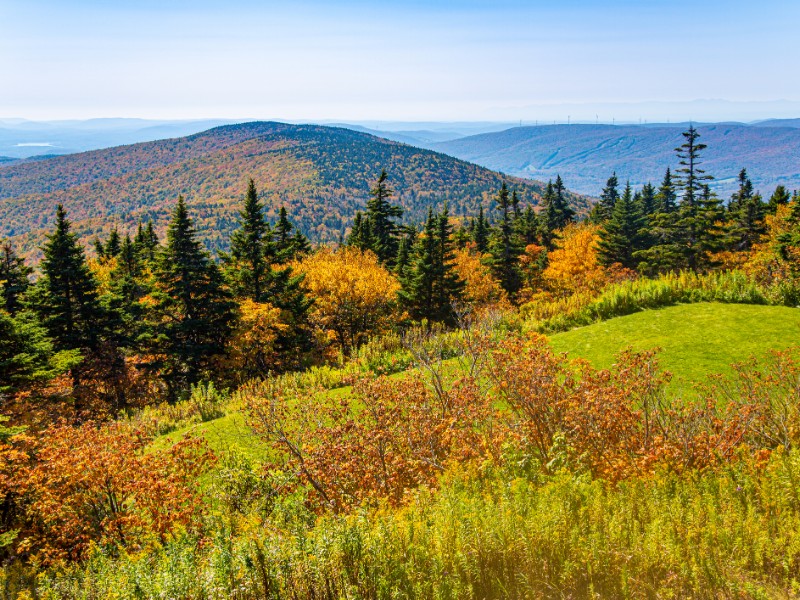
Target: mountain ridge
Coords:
[(322, 175)]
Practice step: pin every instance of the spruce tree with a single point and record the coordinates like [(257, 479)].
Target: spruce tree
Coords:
[(194, 311), (565, 213), (288, 242), (667, 198), (430, 284), (549, 218), (14, 278), (504, 247), (647, 201), (416, 293), (746, 223), (146, 243), (608, 199), (481, 232), (65, 297), (621, 235), (448, 287), (743, 194), (361, 233), (381, 215), (246, 266), (779, 197)]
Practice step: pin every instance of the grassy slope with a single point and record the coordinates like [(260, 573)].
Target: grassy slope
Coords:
[(697, 339)]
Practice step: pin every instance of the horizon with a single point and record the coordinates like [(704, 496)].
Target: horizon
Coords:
[(453, 61)]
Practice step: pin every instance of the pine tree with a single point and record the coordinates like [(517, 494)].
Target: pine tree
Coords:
[(608, 199), (504, 247), (381, 214), (430, 285), (743, 194), (779, 197), (565, 213), (667, 198), (621, 235), (246, 266), (549, 218), (647, 202), (288, 242), (361, 233), (481, 232), (194, 312), (65, 297), (146, 242), (14, 278), (746, 225)]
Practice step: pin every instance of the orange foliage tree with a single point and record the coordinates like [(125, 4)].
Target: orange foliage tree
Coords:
[(355, 296), (482, 291)]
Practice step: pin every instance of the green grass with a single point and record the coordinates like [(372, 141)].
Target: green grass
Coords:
[(696, 339)]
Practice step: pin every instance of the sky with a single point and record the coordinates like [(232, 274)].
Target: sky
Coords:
[(400, 60)]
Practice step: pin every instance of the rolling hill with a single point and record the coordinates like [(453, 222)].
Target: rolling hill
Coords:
[(322, 174), (586, 155), (696, 340)]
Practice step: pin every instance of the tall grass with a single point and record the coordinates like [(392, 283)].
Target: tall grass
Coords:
[(631, 296), (496, 534)]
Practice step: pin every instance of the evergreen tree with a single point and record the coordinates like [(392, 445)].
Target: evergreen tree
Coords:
[(65, 297), (667, 198), (430, 285), (504, 247), (361, 233), (528, 226), (448, 287), (621, 235), (746, 224), (647, 201), (743, 194), (481, 232), (549, 219), (698, 207), (14, 278), (194, 312), (381, 215), (779, 197), (146, 242), (27, 354), (405, 253), (565, 213), (246, 266), (288, 242), (608, 199)]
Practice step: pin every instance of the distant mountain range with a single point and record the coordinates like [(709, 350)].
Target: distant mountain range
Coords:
[(586, 155), (322, 175)]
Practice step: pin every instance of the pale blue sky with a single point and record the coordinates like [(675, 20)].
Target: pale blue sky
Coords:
[(413, 60)]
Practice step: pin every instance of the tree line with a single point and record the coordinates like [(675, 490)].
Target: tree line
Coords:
[(145, 317)]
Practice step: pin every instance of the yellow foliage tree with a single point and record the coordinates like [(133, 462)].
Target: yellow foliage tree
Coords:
[(251, 349), (354, 295), (482, 291), (573, 265)]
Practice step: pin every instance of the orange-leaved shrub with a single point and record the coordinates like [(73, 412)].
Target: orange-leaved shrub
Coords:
[(99, 485), (387, 437)]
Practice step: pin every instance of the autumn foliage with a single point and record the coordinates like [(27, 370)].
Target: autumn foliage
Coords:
[(355, 295), (78, 486)]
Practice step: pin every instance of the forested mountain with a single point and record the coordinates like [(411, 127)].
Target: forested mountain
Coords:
[(321, 174), (585, 155)]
